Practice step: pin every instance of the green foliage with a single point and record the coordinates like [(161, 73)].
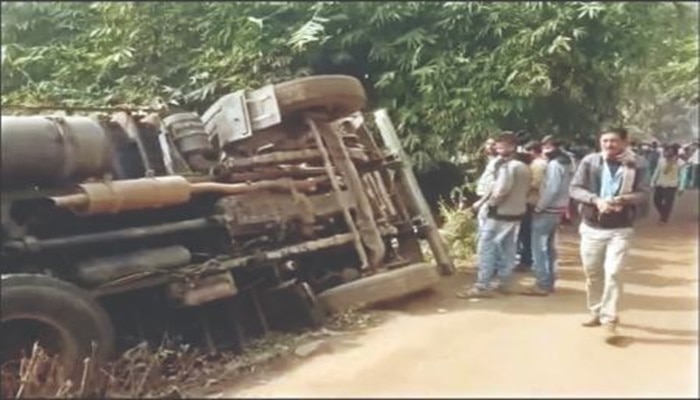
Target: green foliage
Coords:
[(661, 90), (451, 73), (459, 231)]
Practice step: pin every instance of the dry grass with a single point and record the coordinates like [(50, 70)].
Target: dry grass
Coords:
[(168, 371), (140, 372), (41, 376)]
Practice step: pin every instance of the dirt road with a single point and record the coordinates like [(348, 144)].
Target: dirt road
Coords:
[(437, 345)]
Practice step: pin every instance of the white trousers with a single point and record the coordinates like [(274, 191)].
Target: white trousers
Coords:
[(603, 253)]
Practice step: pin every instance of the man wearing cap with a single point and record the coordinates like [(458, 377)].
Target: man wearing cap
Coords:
[(505, 205)]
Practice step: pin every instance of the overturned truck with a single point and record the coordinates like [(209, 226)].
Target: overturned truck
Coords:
[(272, 208)]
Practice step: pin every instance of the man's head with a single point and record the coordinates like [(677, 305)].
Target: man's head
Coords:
[(533, 148), (490, 147), (654, 144), (613, 142), (506, 144), (550, 144), (670, 151)]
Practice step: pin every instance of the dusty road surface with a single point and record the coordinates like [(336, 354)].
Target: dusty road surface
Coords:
[(438, 345)]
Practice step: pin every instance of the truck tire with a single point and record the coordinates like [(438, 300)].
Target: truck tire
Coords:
[(339, 95), (64, 316), (380, 287)]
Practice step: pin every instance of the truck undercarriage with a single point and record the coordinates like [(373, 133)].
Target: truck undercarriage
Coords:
[(273, 208)]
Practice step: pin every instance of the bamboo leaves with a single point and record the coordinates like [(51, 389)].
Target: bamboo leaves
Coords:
[(310, 32), (560, 43), (450, 72)]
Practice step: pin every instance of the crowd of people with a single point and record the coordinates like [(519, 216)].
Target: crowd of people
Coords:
[(674, 169), (527, 191)]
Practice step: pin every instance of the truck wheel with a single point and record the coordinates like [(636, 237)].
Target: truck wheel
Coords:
[(65, 319), (337, 94), (380, 287)]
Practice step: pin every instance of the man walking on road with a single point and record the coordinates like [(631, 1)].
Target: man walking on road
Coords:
[(665, 182), (505, 206), (610, 185), (548, 212)]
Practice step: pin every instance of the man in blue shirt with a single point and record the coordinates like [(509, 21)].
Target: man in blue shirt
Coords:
[(610, 185)]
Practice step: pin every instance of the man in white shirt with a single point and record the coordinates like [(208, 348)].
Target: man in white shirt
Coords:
[(483, 185), (665, 181), (485, 182), (694, 158)]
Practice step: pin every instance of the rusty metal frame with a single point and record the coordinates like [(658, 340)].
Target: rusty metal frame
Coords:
[(155, 278), (366, 225), (335, 184), (286, 157)]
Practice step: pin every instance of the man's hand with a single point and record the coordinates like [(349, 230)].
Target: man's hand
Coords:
[(618, 202), (606, 206)]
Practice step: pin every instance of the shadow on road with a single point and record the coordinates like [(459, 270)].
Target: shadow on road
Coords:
[(643, 270), (627, 341), (662, 331)]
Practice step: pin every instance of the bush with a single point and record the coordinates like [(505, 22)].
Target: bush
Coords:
[(459, 231)]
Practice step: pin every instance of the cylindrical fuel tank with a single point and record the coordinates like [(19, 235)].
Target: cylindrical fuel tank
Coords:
[(102, 270), (52, 151)]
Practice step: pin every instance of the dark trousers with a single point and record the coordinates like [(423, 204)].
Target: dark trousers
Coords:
[(525, 239), (663, 200)]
